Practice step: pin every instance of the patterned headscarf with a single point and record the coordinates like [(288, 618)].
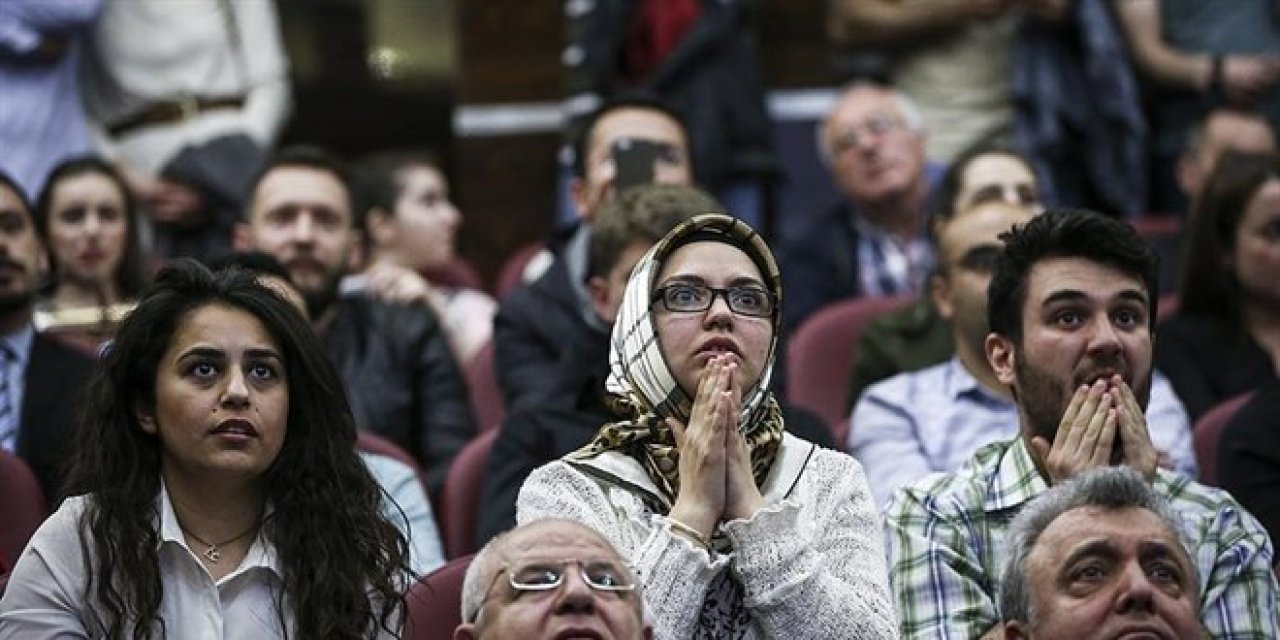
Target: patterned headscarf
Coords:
[(643, 384)]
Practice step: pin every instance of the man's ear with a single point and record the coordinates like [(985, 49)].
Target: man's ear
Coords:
[(581, 199), (1014, 630), (465, 631), (1189, 174), (240, 237), (939, 292), (1000, 355), (598, 291)]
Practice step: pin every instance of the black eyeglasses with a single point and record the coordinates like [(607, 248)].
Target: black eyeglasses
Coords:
[(692, 298), (601, 574)]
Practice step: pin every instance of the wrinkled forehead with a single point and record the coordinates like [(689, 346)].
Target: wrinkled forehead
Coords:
[(555, 540)]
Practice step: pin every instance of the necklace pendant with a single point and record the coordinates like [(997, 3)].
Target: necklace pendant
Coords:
[(212, 554)]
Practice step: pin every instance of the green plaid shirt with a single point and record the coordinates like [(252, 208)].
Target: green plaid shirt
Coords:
[(945, 537)]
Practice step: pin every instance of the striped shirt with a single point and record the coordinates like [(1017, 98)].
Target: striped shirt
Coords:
[(946, 542)]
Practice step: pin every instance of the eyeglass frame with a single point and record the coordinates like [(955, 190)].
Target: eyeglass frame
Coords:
[(659, 294), (877, 124), (563, 564)]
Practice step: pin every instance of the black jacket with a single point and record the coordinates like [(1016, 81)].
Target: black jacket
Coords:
[(539, 327), (55, 381), (402, 380)]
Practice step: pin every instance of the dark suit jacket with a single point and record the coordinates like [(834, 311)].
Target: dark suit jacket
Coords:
[(402, 380), (1249, 456), (56, 378), (536, 332)]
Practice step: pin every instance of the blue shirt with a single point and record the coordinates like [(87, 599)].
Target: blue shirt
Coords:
[(935, 419), (19, 346), (41, 119)]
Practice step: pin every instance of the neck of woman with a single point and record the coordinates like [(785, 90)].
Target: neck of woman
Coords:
[(213, 510), (71, 294)]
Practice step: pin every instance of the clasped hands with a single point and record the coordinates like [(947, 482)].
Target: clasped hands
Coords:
[(716, 481), (1103, 425)]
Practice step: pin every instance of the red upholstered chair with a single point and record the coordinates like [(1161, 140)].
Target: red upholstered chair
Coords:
[(435, 602), (509, 277), (1207, 432), (461, 494), (1168, 306), (24, 505), (373, 443), (482, 384), (455, 273), (820, 357)]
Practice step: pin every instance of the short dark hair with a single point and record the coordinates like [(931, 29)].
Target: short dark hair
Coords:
[(1110, 488), (131, 274), (7, 180), (1206, 285), (942, 202), (309, 157), (642, 213), (257, 262), (1064, 233), (629, 100), (376, 180)]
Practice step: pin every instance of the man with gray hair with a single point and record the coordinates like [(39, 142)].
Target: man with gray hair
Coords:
[(1099, 556), (873, 242), (551, 579)]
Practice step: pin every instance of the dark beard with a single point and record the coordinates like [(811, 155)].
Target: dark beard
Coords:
[(15, 302), (319, 301), (1044, 399)]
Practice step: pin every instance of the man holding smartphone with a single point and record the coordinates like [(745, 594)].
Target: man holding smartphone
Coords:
[(627, 141)]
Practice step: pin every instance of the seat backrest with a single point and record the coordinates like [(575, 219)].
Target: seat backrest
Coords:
[(457, 273), (1168, 306), (459, 508), (820, 357), (435, 602), (24, 505), (482, 385), (1208, 431), (373, 443), (512, 273)]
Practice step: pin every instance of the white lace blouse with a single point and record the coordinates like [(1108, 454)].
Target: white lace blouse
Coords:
[(810, 564)]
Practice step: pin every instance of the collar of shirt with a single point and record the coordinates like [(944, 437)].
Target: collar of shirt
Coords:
[(1016, 479), (959, 383), (19, 343), (262, 554)]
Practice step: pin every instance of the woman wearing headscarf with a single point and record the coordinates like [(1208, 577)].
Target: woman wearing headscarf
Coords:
[(736, 528)]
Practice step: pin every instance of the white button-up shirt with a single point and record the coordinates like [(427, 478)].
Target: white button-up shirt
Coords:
[(45, 597)]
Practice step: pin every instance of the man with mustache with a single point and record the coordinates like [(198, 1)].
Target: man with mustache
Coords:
[(1100, 557), (40, 377), (402, 380), (1071, 307)]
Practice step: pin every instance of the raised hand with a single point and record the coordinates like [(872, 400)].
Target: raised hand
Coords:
[(700, 500), (1134, 441), (1085, 434)]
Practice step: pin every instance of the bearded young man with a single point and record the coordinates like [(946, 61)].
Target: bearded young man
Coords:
[(1071, 306)]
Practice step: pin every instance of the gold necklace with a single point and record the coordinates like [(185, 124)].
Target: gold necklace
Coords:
[(212, 553)]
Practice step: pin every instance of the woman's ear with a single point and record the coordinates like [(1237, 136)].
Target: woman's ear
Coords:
[(380, 226), (146, 421)]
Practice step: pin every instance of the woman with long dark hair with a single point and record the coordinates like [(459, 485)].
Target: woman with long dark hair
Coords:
[(217, 486), (88, 219), (1224, 339), (737, 528)]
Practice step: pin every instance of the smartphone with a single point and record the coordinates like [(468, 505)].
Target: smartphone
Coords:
[(633, 160)]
